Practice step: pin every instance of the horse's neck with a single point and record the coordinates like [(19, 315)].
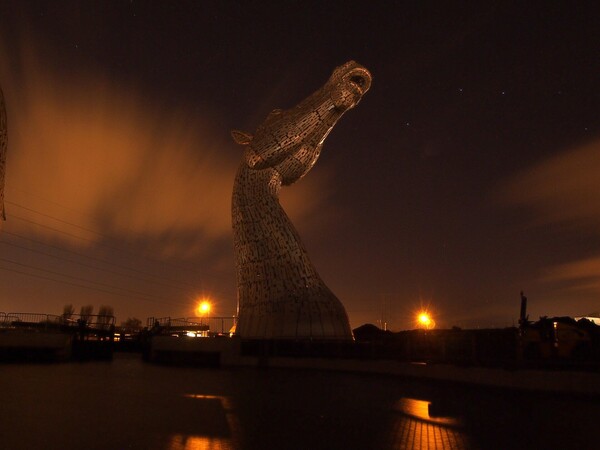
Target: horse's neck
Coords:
[(256, 190), (261, 226)]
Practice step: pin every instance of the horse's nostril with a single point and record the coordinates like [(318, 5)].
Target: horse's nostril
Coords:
[(358, 80)]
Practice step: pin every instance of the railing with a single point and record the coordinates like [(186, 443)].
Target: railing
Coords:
[(29, 320), (93, 321), (52, 321), (158, 321)]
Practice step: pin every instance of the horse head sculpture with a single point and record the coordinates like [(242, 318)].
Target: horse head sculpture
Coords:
[(280, 294)]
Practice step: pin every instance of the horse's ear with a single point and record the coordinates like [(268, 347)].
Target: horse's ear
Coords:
[(241, 137)]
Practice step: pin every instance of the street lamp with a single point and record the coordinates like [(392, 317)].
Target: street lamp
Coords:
[(204, 308), (424, 320)]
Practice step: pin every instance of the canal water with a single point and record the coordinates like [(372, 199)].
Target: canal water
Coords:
[(128, 404)]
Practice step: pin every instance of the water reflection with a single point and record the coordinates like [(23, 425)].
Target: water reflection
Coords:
[(181, 442), (209, 442), (420, 425), (126, 404)]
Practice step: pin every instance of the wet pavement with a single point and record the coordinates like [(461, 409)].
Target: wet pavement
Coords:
[(128, 404)]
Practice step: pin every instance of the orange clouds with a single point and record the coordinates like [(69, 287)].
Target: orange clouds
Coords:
[(585, 274), (106, 157), (126, 166), (563, 189)]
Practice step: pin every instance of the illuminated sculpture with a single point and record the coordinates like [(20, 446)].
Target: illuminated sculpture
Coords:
[(3, 143), (280, 294)]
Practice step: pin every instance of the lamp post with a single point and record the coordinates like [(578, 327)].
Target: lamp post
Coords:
[(425, 321), (204, 309)]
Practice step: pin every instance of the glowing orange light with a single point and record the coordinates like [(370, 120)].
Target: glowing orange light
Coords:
[(204, 308), (419, 409), (424, 320)]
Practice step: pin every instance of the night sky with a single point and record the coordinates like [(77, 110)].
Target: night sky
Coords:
[(469, 172)]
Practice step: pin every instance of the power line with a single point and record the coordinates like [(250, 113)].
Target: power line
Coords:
[(140, 295), (54, 218), (61, 281), (178, 284), (79, 285), (14, 216), (63, 249), (12, 186), (114, 272), (75, 278), (165, 281)]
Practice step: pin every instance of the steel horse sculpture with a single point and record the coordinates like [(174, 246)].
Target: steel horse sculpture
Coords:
[(280, 293)]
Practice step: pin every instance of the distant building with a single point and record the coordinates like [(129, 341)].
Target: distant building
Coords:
[(594, 319)]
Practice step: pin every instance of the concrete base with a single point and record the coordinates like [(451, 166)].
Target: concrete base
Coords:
[(25, 343), (226, 352), (566, 382), (217, 351)]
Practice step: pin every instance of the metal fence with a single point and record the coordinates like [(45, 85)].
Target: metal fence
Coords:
[(29, 320), (53, 321), (212, 325)]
